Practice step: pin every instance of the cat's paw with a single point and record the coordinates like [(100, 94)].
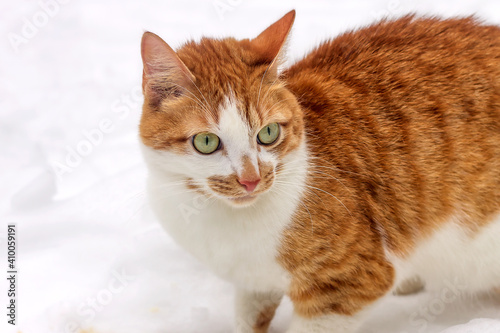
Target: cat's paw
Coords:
[(410, 286), (332, 323)]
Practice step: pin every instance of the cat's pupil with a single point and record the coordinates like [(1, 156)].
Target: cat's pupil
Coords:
[(269, 130), (206, 140)]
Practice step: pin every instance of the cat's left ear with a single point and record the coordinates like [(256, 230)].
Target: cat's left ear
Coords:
[(271, 43)]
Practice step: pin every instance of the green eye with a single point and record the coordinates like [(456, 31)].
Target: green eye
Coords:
[(206, 143), (269, 134)]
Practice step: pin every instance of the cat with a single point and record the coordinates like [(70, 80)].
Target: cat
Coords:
[(373, 160)]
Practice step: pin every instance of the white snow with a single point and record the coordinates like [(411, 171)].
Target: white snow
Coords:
[(90, 253)]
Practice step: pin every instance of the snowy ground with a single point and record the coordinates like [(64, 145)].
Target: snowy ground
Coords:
[(90, 254)]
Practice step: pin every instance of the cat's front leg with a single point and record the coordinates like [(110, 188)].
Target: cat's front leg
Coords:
[(330, 303), (255, 310)]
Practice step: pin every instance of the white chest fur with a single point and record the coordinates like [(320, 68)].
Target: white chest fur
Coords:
[(238, 244)]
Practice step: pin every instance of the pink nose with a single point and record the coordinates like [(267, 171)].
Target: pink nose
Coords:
[(250, 184)]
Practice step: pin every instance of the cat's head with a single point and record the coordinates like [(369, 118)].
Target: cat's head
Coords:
[(216, 114)]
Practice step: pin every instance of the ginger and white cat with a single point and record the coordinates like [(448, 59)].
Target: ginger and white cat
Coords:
[(374, 159)]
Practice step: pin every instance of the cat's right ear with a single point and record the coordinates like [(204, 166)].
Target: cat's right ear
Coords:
[(164, 72)]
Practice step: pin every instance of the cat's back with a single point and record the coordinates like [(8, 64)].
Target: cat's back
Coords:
[(411, 41)]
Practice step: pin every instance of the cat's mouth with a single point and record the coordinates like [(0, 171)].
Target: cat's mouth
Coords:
[(240, 200), (243, 200)]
